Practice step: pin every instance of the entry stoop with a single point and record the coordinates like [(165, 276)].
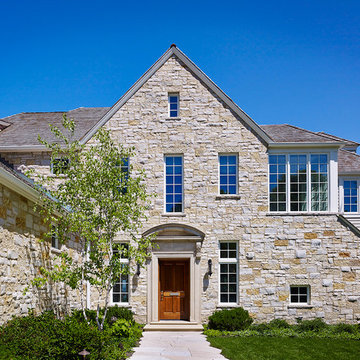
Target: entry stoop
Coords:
[(171, 325)]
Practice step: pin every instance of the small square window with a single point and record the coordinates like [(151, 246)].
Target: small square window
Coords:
[(55, 243), (300, 294), (59, 166), (173, 105)]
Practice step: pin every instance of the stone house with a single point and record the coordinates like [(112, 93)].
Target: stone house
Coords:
[(263, 217)]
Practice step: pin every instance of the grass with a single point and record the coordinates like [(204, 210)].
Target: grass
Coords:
[(267, 348)]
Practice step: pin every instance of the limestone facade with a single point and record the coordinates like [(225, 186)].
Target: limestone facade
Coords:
[(21, 255), (275, 251)]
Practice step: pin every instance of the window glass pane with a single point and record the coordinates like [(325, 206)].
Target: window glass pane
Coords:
[(174, 194), (228, 174), (277, 189), (298, 180), (319, 180), (351, 196)]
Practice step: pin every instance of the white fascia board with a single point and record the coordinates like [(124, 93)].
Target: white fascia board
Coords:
[(205, 79), (306, 145), (350, 173), (33, 148), (15, 184)]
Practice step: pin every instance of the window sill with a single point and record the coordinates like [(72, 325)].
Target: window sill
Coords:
[(55, 250), (120, 304), (227, 305), (225, 197), (300, 306), (173, 118), (303, 213), (174, 214)]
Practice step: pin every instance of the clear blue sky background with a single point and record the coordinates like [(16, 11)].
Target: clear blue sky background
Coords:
[(294, 62)]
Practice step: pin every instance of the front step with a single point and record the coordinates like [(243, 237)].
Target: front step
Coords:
[(173, 326)]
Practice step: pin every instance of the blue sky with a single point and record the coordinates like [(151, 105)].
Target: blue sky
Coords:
[(291, 62)]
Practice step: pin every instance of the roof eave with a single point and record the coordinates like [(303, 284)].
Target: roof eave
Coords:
[(25, 148), (307, 145), (173, 50), (13, 183)]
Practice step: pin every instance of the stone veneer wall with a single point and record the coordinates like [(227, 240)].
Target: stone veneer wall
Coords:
[(275, 251), (21, 255)]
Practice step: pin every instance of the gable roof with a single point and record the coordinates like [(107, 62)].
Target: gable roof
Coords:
[(174, 51), (24, 128)]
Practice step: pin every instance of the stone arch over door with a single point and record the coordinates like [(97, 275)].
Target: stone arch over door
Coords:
[(175, 241)]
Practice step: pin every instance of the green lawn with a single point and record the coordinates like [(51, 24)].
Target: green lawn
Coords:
[(267, 348)]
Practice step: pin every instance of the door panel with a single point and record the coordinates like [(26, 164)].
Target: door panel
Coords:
[(174, 297)]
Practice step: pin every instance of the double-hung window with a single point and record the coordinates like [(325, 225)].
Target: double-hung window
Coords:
[(174, 195), (173, 105), (120, 291), (228, 262), (299, 182), (228, 170), (55, 243), (351, 196), (125, 169)]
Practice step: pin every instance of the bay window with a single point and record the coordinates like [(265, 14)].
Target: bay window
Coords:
[(298, 182)]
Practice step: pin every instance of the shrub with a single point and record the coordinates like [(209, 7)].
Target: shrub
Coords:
[(114, 313), (279, 324), (311, 325), (231, 320), (260, 328), (345, 328)]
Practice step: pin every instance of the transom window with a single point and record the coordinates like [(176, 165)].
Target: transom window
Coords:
[(351, 196), (120, 291), (174, 105), (298, 182), (228, 260), (299, 294), (228, 166), (174, 183)]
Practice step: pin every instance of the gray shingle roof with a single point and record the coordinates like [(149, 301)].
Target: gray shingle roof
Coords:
[(291, 133), (25, 127), (349, 162)]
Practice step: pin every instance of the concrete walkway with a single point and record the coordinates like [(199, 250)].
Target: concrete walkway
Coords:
[(175, 345)]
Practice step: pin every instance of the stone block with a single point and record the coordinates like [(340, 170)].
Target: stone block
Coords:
[(327, 282), (329, 233), (310, 235), (281, 242), (300, 254)]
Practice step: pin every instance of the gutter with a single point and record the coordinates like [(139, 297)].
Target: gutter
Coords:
[(299, 145)]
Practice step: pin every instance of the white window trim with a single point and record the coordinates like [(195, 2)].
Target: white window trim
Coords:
[(180, 213), (58, 245), (237, 174), (341, 193), (119, 303), (228, 261), (308, 295), (178, 105), (332, 180)]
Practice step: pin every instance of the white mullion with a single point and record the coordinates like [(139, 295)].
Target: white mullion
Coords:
[(287, 182), (308, 182)]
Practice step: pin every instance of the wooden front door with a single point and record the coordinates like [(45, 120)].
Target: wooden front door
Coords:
[(174, 290)]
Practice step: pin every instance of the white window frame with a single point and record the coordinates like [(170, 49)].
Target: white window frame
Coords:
[(174, 94), (331, 181), (55, 239), (237, 173), (342, 193), (120, 303), (308, 295), (229, 261), (182, 184)]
